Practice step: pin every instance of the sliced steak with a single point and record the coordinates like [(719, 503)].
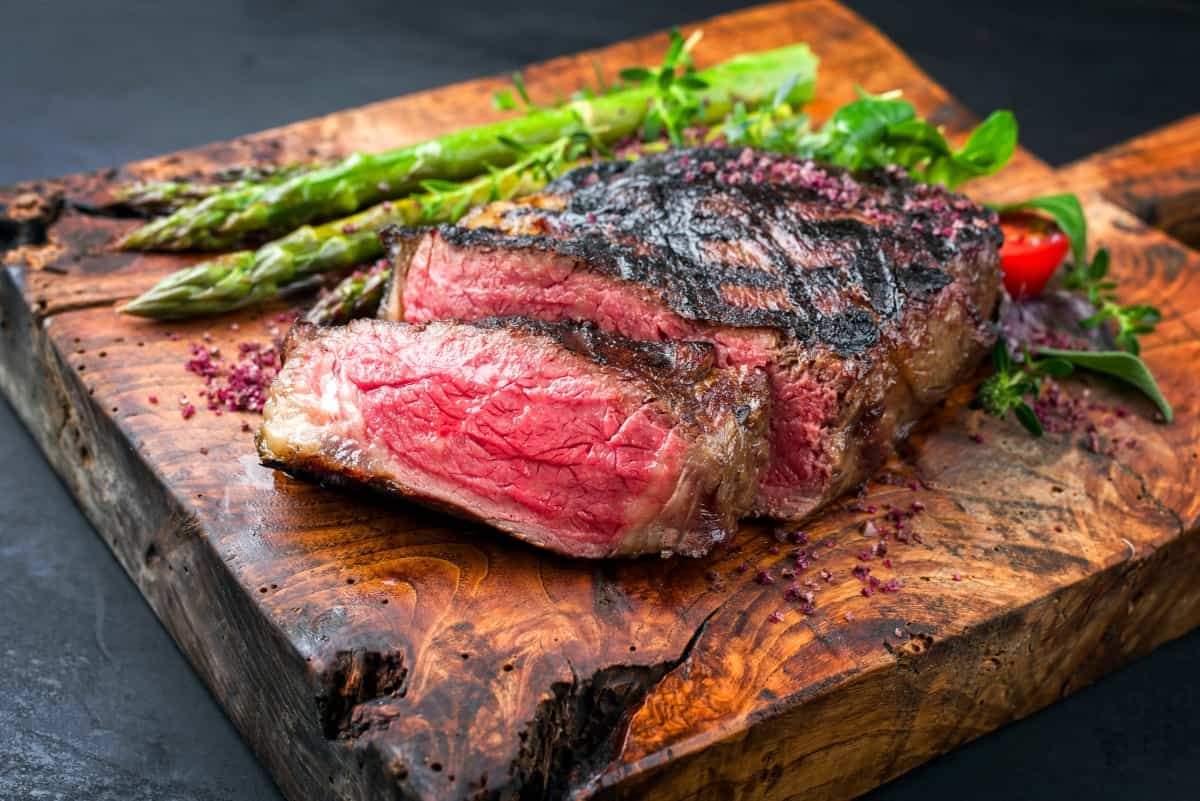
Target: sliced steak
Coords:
[(865, 297), (574, 440)]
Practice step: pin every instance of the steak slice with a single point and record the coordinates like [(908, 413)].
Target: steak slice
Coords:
[(569, 438), (864, 297)]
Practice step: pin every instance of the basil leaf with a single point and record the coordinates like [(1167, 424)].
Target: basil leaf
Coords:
[(867, 119), (992, 144), (1121, 365), (1068, 213)]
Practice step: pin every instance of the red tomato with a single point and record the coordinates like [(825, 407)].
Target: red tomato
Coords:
[(1033, 248)]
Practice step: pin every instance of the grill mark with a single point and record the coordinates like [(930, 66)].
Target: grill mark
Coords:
[(654, 222)]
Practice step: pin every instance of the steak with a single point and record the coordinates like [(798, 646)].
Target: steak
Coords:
[(864, 297), (575, 440)]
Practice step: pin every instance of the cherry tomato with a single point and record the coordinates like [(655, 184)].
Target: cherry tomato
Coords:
[(1033, 249)]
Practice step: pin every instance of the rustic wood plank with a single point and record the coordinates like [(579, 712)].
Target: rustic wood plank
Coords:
[(447, 661), (1156, 177)]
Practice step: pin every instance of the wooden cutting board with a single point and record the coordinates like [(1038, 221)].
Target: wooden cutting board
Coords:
[(368, 649)]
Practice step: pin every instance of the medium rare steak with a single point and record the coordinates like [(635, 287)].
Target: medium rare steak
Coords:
[(572, 439), (864, 297)]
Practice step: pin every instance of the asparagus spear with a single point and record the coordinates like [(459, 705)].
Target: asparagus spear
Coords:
[(225, 218), (159, 197), (235, 280), (357, 295)]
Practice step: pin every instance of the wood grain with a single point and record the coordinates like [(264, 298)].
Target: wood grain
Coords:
[(371, 650), (1156, 177)]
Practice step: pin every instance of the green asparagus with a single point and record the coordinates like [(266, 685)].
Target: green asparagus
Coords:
[(235, 280), (224, 219), (357, 295), (162, 197)]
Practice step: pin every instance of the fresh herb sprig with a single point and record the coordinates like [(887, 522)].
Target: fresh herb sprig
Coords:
[(505, 100), (1090, 276), (878, 131), (517, 98), (674, 105), (1129, 322), (1013, 381), (1006, 389)]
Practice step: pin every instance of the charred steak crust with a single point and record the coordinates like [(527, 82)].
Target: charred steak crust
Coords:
[(865, 297), (829, 257), (686, 436)]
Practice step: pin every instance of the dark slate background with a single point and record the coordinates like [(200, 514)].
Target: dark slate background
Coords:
[(95, 701)]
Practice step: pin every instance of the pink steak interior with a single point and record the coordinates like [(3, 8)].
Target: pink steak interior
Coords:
[(526, 435), (447, 281)]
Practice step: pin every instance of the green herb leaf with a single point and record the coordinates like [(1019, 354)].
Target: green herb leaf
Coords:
[(636, 74), (438, 185), (991, 145), (509, 142), (1001, 358), (518, 81), (689, 81), (503, 101), (877, 131), (1121, 365), (1026, 417), (674, 50), (1098, 269), (1059, 368)]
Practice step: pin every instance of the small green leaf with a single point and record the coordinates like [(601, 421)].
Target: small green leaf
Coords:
[(1144, 313), (503, 101), (519, 82), (1129, 342), (1056, 367), (438, 185), (674, 50), (1028, 418), (992, 144), (1001, 358), (636, 74), (509, 142), (1099, 268), (652, 128), (1127, 367)]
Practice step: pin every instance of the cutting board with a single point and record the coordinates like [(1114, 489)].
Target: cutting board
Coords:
[(369, 649)]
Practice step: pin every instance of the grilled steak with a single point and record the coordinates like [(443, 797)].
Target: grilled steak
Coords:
[(864, 297), (578, 441)]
